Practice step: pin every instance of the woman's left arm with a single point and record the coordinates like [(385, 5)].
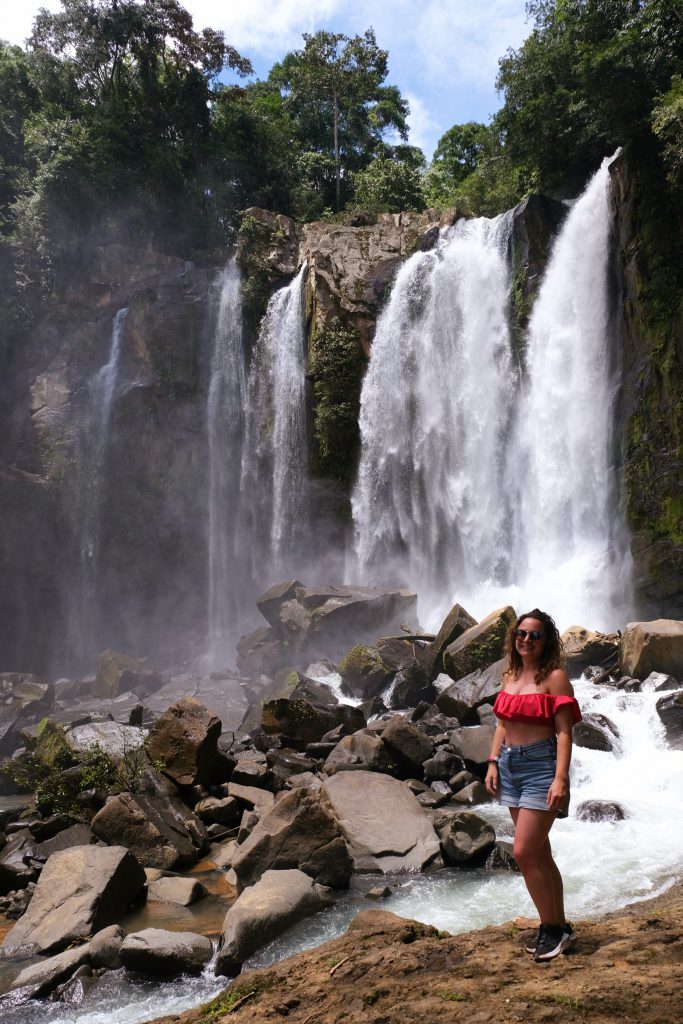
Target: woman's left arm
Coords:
[(559, 685)]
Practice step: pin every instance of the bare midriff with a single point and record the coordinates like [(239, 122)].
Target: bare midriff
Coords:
[(518, 734)]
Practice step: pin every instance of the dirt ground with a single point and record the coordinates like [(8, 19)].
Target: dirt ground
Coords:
[(627, 966)]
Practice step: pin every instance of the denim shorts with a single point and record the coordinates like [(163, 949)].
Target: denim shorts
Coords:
[(526, 773)]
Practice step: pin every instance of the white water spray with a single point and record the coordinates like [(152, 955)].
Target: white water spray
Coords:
[(274, 483), (435, 406), (225, 428)]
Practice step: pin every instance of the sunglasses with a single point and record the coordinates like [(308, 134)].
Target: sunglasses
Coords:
[(528, 634)]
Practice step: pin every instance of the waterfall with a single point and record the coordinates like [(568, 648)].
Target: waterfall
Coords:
[(435, 407), (275, 506), (225, 427), (480, 483), (87, 499), (569, 538)]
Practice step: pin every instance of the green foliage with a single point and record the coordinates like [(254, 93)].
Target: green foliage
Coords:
[(667, 124), (335, 364), (333, 89), (252, 245), (388, 186)]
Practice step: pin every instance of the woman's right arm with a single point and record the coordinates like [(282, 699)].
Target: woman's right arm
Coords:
[(492, 772)]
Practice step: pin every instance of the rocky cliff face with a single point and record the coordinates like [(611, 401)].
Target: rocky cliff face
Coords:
[(652, 439), (152, 496)]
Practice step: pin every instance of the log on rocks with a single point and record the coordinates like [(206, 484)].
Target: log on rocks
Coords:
[(80, 891), (385, 828), (158, 952), (277, 901)]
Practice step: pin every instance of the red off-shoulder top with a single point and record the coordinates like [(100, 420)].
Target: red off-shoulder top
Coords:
[(534, 708)]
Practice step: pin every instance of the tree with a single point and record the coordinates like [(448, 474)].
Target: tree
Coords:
[(334, 91), (667, 124), (389, 186)]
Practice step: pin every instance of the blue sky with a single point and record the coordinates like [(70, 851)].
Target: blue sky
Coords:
[(443, 54)]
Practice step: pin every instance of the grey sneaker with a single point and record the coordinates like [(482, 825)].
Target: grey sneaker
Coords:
[(552, 940), (532, 941)]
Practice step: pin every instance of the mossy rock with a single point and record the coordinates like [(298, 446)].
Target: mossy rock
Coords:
[(363, 672), (479, 646)]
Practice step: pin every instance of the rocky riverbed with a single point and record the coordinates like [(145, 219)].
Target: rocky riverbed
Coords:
[(624, 967)]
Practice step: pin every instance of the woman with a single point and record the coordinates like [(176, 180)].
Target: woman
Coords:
[(529, 765)]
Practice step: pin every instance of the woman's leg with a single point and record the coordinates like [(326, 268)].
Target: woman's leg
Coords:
[(533, 854)]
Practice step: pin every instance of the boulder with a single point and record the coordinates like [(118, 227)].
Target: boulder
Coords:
[(670, 711), (40, 979), (465, 837), (597, 732), (411, 685), (252, 797), (405, 651), (443, 765), (185, 740), (24, 700), (601, 810), (384, 826), (75, 835), (407, 744), (80, 891), (501, 858), (270, 603), (479, 646), (363, 672), (473, 744), (363, 751), (285, 764), (260, 653), (471, 794), (118, 673), (176, 889), (213, 811), (15, 872), (583, 648), (657, 681), (252, 773), (480, 687), (160, 830), (457, 622), (652, 647), (161, 953), (299, 832), (115, 739), (277, 901), (301, 721), (104, 947)]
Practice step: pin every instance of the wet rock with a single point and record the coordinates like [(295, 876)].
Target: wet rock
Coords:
[(601, 810), (42, 978), (407, 744), (104, 947), (465, 838), (443, 765), (175, 889), (457, 622), (80, 891), (411, 685), (274, 903), (185, 740), (652, 647), (670, 711), (363, 672), (118, 673), (299, 832), (480, 646), (15, 872), (363, 751), (582, 648), (597, 732), (657, 681), (385, 828), (479, 687), (159, 829), (160, 953), (379, 892), (501, 858)]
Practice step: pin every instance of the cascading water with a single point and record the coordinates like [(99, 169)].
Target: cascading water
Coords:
[(225, 428), (435, 408), (478, 483), (91, 451), (569, 538), (275, 506)]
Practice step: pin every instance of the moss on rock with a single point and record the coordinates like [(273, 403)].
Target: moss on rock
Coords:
[(336, 364)]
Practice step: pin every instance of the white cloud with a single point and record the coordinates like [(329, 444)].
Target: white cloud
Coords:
[(422, 124), (269, 27), (16, 21)]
